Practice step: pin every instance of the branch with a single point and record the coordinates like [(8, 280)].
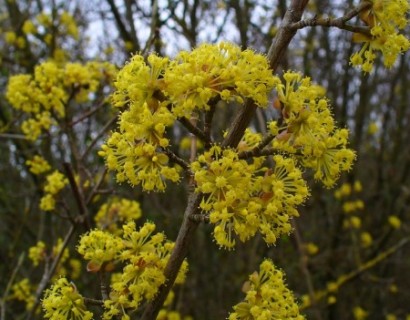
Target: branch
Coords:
[(194, 129), (79, 197), (361, 269), (338, 22), (276, 52), (48, 275), (174, 158), (184, 239), (8, 287), (258, 150), (99, 135), (285, 33)]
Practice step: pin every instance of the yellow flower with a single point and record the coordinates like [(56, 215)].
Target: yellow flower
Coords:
[(221, 70), (29, 27), (145, 256), (344, 191), (10, 37), (56, 181), (366, 239), (394, 222), (24, 291), (117, 211), (267, 297), (63, 302), (385, 19), (241, 202), (99, 247), (357, 186), (359, 313), (37, 253), (38, 165), (139, 163), (311, 248)]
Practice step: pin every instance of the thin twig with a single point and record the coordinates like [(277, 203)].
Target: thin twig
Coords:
[(337, 22), (9, 284), (258, 150), (199, 217), (174, 158), (194, 129), (94, 302), (79, 197), (361, 269), (48, 275), (86, 115), (97, 185), (99, 135), (303, 265)]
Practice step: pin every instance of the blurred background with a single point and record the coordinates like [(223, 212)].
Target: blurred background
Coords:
[(348, 257)]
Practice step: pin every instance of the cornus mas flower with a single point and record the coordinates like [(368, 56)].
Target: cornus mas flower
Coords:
[(56, 181), (63, 302), (385, 19), (137, 81), (223, 70), (159, 91), (241, 202), (310, 132), (138, 163), (115, 212), (38, 165), (267, 297), (43, 97), (145, 255), (24, 291), (224, 178), (99, 247)]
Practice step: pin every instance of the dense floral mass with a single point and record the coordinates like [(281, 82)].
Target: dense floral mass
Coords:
[(244, 198), (267, 297), (159, 91), (385, 19), (244, 141), (310, 136), (44, 97), (144, 256)]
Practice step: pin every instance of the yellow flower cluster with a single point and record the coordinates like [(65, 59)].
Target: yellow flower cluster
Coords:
[(267, 297), (166, 313), (37, 253), (56, 181), (223, 70), (135, 152), (63, 302), (144, 256), (159, 91), (44, 96), (24, 291), (38, 165), (242, 201), (115, 212), (359, 313), (310, 133), (99, 247), (46, 26), (346, 189), (385, 19), (11, 38)]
